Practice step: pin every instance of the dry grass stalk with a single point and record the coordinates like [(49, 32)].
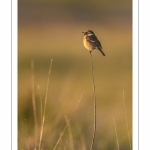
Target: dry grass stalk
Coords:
[(116, 133), (126, 120), (94, 131), (70, 135), (43, 119), (67, 123), (33, 99), (41, 104)]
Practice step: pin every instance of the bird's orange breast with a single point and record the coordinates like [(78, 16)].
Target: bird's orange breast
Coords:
[(87, 44)]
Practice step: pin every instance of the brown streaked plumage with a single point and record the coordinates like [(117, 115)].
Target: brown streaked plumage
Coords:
[(91, 42)]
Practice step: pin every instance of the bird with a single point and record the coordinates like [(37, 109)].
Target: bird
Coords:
[(91, 42)]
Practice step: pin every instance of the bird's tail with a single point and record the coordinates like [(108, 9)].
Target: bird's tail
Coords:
[(102, 52)]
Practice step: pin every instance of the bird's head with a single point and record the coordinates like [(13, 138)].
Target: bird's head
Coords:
[(89, 32)]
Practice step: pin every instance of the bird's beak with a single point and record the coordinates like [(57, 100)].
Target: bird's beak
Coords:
[(83, 32)]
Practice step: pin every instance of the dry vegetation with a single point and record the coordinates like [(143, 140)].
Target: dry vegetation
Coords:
[(53, 30)]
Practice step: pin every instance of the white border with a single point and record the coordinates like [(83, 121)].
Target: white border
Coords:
[(144, 74), (5, 74), (135, 77), (14, 74)]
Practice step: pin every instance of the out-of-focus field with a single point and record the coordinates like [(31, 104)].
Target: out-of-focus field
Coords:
[(49, 30)]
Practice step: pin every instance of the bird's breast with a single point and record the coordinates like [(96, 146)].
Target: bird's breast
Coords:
[(87, 44)]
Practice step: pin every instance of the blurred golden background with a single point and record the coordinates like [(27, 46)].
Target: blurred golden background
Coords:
[(53, 29)]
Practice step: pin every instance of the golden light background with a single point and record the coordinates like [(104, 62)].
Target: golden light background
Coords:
[(53, 30)]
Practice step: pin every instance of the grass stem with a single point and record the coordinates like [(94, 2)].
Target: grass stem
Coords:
[(68, 121), (41, 104), (94, 131), (43, 119), (116, 133), (33, 99)]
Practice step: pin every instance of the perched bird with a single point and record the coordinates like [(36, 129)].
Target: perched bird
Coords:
[(91, 42)]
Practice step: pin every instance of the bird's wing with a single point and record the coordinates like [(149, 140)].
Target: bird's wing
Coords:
[(94, 41)]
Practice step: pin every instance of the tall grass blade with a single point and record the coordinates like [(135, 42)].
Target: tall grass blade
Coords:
[(43, 119), (67, 123), (33, 100), (116, 134)]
